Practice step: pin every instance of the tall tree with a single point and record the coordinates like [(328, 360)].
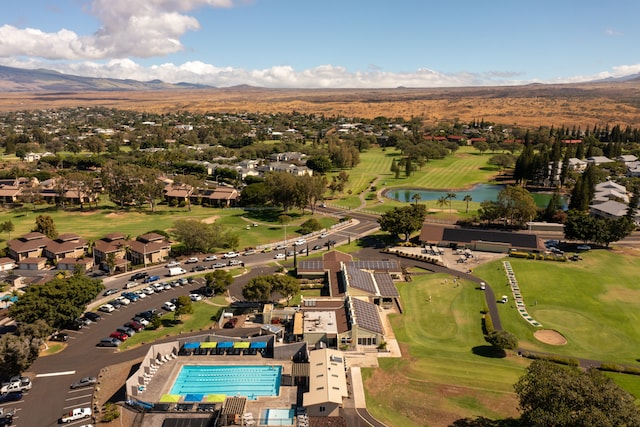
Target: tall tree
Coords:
[(467, 198), (553, 395), (46, 226), (404, 220)]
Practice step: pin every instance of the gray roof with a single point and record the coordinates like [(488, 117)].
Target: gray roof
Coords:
[(366, 316)]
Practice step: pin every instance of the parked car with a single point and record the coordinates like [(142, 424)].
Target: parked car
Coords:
[(231, 323), (126, 330), (84, 382), (330, 243), (140, 293), (148, 290), (115, 303), (299, 242), (140, 275), (192, 260), (74, 324), (317, 247), (169, 306), (6, 418), (75, 415), (109, 292), (183, 281), (173, 264), (119, 335), (198, 268), (210, 258), (249, 252), (158, 287), (85, 320), (280, 247), (107, 308), (60, 336), (195, 297), (136, 326), (218, 265), (279, 256), (236, 262), (17, 383), (231, 255), (123, 300), (93, 316), (151, 279), (140, 320), (130, 285), (12, 396), (583, 247), (323, 235), (109, 342)]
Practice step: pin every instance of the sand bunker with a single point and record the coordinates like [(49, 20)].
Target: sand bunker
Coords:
[(211, 219), (550, 337)]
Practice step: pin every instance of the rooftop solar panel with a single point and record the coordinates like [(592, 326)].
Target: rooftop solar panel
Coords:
[(386, 287), (378, 265), (361, 279), (366, 316)]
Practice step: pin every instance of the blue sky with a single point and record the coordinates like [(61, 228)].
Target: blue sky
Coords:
[(328, 43)]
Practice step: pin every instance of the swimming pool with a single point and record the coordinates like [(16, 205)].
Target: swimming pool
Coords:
[(277, 417), (196, 382)]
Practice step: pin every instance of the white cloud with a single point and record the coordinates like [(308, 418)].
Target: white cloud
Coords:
[(284, 76), (129, 28), (612, 32)]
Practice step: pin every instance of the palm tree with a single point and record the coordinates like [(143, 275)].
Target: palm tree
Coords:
[(416, 198), (450, 196), (442, 201), (467, 199)]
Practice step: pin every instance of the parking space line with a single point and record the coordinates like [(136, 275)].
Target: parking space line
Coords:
[(78, 397), (55, 374), (77, 405)]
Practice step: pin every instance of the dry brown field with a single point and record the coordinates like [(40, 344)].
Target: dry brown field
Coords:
[(580, 105)]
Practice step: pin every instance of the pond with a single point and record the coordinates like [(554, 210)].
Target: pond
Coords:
[(478, 193)]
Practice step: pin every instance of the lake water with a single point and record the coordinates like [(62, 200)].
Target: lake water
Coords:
[(479, 193)]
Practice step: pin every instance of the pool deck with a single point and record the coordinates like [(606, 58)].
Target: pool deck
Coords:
[(163, 380)]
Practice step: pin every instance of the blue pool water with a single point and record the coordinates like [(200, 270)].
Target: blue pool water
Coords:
[(278, 417), (194, 382)]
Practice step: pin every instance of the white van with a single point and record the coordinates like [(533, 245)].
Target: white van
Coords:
[(176, 271), (130, 285)]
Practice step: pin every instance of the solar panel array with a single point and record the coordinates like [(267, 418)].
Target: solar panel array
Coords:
[(378, 265), (311, 265), (386, 287), (366, 316), (361, 280)]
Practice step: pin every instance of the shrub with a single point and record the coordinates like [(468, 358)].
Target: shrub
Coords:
[(570, 361), (487, 324), (111, 412)]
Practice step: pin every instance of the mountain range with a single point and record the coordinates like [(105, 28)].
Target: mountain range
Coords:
[(23, 80)]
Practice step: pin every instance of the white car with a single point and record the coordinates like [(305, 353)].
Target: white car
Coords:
[(107, 308), (299, 242), (169, 306), (140, 293), (279, 256), (323, 235), (173, 264), (148, 290), (192, 260), (210, 258), (231, 255), (195, 297), (76, 414), (123, 300)]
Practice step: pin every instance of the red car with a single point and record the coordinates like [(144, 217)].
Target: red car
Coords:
[(119, 335), (134, 325)]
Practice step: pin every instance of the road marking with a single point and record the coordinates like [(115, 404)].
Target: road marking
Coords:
[(55, 374), (78, 397), (77, 405)]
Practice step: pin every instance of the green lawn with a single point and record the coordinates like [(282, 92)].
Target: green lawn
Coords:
[(445, 372), (203, 318), (593, 303)]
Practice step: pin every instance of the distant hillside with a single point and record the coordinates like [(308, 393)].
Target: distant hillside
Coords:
[(22, 80)]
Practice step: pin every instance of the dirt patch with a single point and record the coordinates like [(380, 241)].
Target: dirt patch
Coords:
[(211, 219), (110, 383), (550, 337), (114, 215)]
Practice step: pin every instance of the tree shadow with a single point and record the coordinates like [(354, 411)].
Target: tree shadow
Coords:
[(485, 422), (488, 351)]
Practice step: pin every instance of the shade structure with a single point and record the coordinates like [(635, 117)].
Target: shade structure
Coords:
[(170, 398), (193, 397), (225, 344), (258, 344), (241, 344), (191, 345), (208, 344), (215, 398)]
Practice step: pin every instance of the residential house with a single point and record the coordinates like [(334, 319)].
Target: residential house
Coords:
[(287, 167), (30, 245), (178, 193), (32, 263), (289, 156), (577, 165), (599, 160), (10, 193), (610, 190), (70, 264), (114, 243), (150, 248), (610, 209), (68, 245), (7, 264), (627, 158), (221, 196)]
